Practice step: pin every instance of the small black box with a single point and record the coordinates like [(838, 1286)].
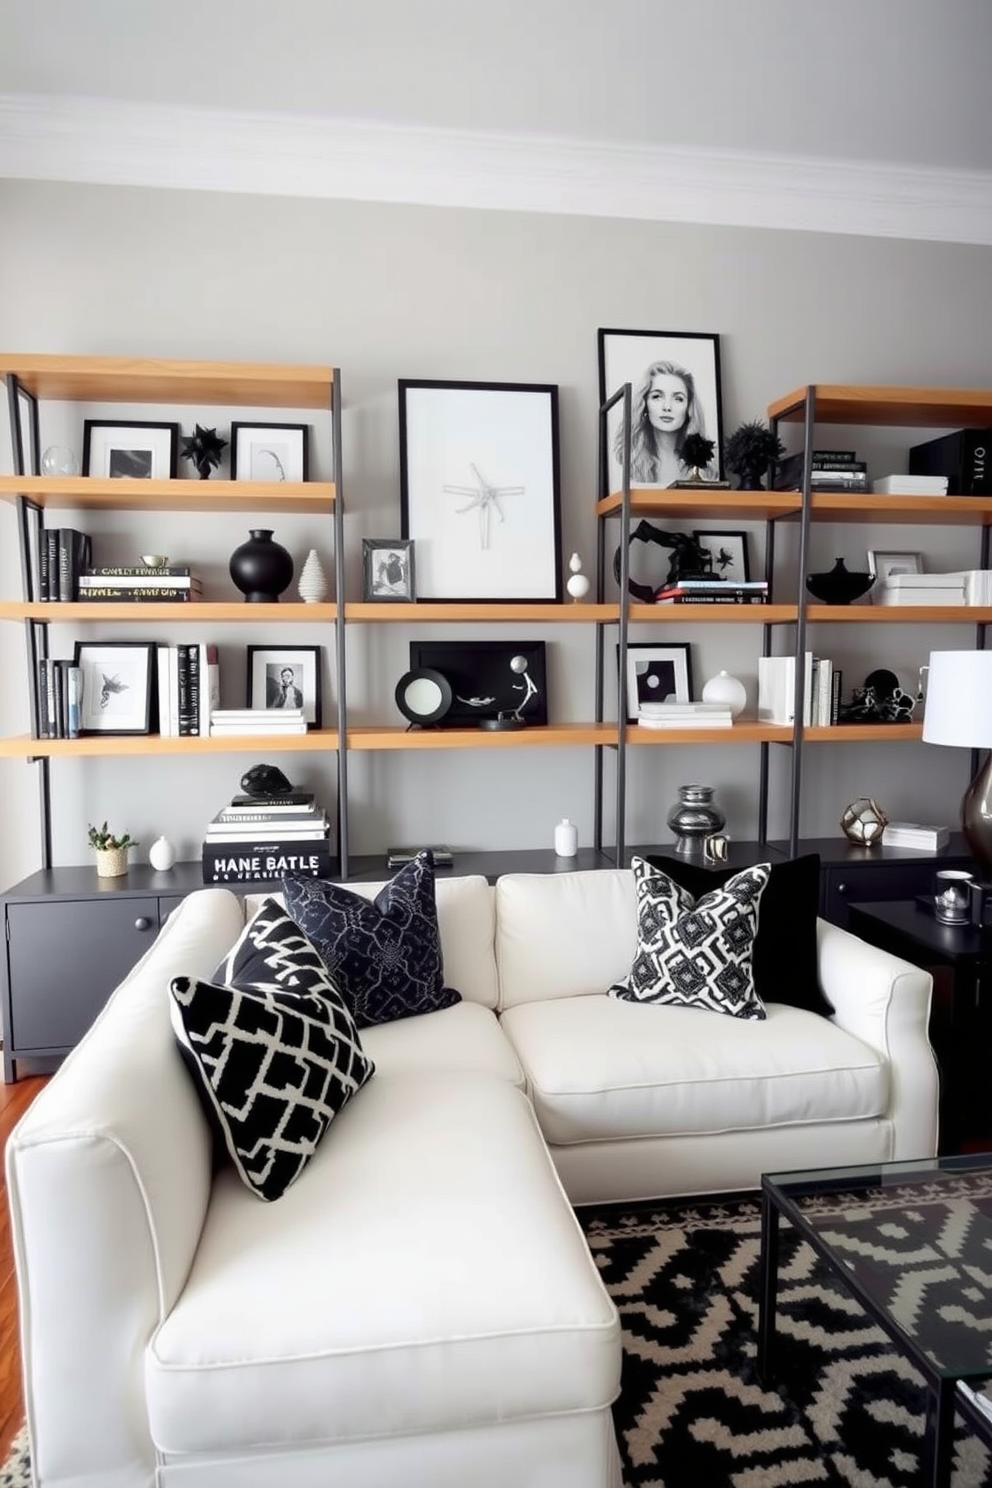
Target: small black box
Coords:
[(980, 909), (964, 457)]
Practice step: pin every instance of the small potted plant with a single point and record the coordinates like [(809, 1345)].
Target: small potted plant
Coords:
[(749, 451), (111, 851)]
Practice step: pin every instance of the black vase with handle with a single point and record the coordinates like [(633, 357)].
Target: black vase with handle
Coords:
[(261, 568)]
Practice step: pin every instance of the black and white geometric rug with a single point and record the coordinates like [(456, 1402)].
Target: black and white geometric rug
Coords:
[(845, 1407)]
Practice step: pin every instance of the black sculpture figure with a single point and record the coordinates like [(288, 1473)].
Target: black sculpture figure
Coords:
[(689, 560)]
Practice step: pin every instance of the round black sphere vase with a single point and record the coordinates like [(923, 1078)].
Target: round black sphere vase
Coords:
[(751, 478), (261, 568)]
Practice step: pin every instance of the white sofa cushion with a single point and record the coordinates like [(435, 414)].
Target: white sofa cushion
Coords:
[(465, 919), (464, 1039), (426, 1258), (599, 1069), (563, 935)]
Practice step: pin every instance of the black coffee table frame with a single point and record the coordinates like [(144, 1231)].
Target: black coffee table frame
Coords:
[(782, 1196)]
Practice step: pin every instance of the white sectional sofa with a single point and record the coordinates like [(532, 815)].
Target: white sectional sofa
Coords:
[(419, 1309)]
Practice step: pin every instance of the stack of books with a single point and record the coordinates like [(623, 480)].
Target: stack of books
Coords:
[(255, 838), (227, 721), (684, 715), (188, 688), (63, 553), (912, 834), (929, 589), (136, 585), (910, 485), (59, 693), (777, 684), (830, 470), (713, 591)]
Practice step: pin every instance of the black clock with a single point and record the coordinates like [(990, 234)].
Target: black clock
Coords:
[(423, 696)]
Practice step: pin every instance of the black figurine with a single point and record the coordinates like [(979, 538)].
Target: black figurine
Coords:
[(203, 448)]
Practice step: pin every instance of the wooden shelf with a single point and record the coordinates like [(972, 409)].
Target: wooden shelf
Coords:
[(147, 744), (737, 733), (900, 406), (217, 612), (704, 505), (860, 733), (86, 491), (140, 380), (944, 511), (900, 614), (554, 735), (711, 614), (431, 611)]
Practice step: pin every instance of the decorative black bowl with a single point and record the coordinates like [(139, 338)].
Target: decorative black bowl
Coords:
[(839, 586)]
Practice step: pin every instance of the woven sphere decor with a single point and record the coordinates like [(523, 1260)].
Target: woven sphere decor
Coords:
[(864, 821)]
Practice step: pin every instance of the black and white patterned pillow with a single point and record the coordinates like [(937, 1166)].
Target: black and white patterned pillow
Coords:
[(696, 952), (273, 1049), (383, 953)]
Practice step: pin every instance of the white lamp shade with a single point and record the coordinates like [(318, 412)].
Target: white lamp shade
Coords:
[(959, 699)]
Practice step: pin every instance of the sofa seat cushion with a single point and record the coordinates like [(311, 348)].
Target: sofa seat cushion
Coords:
[(602, 1069), (464, 1039), (424, 1274)]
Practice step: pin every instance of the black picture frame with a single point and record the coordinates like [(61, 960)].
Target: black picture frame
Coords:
[(270, 452), (729, 551), (388, 570), (630, 356), (481, 670), (116, 686), (131, 449), (266, 663), (654, 670), (480, 490)]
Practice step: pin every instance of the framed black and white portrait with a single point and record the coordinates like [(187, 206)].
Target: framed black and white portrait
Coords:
[(675, 387), (387, 570), (728, 550), (479, 490), (116, 686), (270, 452), (130, 449), (657, 674), (286, 677)]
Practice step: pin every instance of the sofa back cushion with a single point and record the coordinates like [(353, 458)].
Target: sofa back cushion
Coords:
[(564, 934), (465, 918)]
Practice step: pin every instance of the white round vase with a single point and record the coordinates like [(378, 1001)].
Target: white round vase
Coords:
[(161, 854), (566, 838), (728, 690)]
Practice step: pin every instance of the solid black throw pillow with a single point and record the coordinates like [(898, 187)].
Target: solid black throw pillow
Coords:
[(785, 960)]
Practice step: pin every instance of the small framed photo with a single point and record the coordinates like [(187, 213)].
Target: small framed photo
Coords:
[(387, 569), (130, 449), (116, 679), (729, 553), (480, 490), (270, 452), (675, 386), (884, 565), (286, 677), (657, 674)]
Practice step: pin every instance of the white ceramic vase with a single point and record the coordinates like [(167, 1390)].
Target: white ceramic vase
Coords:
[(577, 584), (312, 587), (161, 854), (728, 690), (566, 838)]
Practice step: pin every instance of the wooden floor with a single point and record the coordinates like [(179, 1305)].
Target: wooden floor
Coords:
[(14, 1101)]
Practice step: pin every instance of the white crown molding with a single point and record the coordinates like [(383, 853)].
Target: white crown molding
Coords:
[(119, 143)]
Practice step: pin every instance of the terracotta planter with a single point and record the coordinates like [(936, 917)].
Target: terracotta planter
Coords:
[(111, 862)]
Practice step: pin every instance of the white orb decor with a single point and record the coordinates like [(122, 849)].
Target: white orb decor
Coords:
[(57, 460), (161, 854), (577, 585), (728, 690), (313, 581)]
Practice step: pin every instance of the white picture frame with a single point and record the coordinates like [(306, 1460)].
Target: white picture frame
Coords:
[(270, 452), (130, 449), (883, 564), (657, 674)]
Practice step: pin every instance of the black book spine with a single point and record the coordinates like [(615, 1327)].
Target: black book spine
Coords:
[(44, 589), (965, 457), (51, 536), (41, 684), (264, 861), (116, 592), (194, 688), (183, 683), (136, 571)]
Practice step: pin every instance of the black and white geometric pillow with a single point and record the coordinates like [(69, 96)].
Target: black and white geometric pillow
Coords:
[(274, 1059), (384, 954), (696, 952)]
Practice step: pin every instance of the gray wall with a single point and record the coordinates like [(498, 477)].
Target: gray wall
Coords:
[(392, 291)]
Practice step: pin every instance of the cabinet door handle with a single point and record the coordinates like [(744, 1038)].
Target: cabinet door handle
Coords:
[(842, 888), (142, 923)]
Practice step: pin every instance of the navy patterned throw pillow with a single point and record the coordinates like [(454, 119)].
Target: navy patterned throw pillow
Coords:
[(383, 953), (696, 952), (272, 1049)]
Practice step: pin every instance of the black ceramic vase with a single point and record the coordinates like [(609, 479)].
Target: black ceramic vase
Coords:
[(261, 568), (838, 585), (750, 478)]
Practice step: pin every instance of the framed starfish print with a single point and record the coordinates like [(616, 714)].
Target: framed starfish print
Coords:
[(480, 490)]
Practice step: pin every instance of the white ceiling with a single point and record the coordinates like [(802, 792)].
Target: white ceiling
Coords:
[(865, 106)]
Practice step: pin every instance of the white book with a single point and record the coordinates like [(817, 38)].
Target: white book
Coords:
[(162, 679), (684, 710), (273, 830), (776, 688), (258, 715), (913, 834), (910, 485), (724, 721), (824, 678), (269, 730), (952, 595)]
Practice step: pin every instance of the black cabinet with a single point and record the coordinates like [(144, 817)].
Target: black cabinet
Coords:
[(877, 873)]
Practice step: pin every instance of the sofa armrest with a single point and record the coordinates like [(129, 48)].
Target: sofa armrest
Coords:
[(109, 1175), (885, 1002)]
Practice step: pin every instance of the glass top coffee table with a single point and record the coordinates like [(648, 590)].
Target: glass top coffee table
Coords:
[(913, 1242)]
